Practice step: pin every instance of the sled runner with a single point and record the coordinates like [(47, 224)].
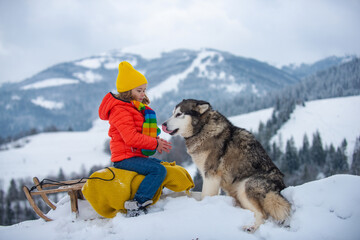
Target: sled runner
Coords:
[(72, 187)]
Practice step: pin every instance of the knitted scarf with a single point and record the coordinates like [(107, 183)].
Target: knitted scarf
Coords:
[(150, 127)]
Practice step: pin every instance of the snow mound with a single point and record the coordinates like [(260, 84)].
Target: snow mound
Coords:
[(323, 209)]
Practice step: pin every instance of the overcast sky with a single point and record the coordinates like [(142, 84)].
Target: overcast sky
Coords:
[(36, 34)]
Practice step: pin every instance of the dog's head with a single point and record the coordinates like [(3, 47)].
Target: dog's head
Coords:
[(186, 118)]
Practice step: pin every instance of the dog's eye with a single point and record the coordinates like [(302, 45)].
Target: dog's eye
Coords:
[(178, 115)]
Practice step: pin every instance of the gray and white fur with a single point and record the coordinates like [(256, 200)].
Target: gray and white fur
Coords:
[(230, 158)]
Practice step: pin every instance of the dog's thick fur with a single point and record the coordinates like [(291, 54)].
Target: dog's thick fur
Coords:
[(231, 158)]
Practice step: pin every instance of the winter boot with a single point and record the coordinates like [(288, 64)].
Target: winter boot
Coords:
[(134, 208)]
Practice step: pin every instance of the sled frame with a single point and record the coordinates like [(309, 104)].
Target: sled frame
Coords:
[(72, 187)]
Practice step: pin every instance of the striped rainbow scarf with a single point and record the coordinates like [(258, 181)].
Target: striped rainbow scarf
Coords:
[(150, 127)]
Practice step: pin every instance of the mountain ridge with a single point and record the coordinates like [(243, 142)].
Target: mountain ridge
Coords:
[(78, 86)]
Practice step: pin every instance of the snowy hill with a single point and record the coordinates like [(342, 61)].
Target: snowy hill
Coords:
[(335, 119), (251, 121), (322, 210), (44, 154)]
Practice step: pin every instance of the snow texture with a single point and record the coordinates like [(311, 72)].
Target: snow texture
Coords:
[(42, 102), (51, 82), (334, 118), (325, 209), (88, 77), (44, 154), (251, 121), (171, 84)]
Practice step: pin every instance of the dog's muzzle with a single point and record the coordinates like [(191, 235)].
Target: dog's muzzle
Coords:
[(165, 129)]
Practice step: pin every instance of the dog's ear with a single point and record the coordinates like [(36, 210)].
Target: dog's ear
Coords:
[(203, 107), (194, 121)]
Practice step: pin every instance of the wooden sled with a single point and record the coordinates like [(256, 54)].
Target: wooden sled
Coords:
[(72, 187)]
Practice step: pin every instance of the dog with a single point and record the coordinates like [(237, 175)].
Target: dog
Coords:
[(230, 158)]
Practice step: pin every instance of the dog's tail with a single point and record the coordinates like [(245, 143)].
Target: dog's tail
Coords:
[(276, 206)]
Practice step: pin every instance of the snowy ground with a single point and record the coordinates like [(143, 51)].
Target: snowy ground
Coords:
[(323, 209), (336, 119), (251, 121), (44, 154)]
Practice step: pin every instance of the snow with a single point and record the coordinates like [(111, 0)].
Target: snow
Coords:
[(88, 77), (323, 210), (171, 84), (44, 154), (335, 119), (51, 82), (251, 121), (42, 102), (110, 60), (113, 63), (92, 63), (15, 97)]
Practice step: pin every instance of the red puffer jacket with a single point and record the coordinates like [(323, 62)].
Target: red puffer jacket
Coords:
[(125, 129)]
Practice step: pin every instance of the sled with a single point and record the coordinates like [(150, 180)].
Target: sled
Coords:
[(72, 187)]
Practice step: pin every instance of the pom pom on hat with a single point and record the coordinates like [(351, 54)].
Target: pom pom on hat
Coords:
[(128, 78)]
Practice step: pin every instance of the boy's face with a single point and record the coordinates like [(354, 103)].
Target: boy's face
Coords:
[(138, 93)]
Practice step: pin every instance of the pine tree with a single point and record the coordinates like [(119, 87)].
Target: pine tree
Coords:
[(61, 175), (330, 156), (18, 212), (275, 154), (13, 193), (9, 213), (340, 161), (317, 152), (355, 165), (291, 159), (304, 152), (2, 207)]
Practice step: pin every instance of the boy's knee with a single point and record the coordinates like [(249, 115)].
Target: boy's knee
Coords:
[(162, 170)]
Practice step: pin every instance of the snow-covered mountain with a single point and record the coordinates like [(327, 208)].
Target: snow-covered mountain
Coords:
[(304, 70), (67, 95), (322, 210)]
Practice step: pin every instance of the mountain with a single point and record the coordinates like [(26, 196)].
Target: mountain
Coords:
[(66, 96), (305, 70), (324, 209)]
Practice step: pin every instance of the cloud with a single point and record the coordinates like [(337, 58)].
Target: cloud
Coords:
[(35, 34)]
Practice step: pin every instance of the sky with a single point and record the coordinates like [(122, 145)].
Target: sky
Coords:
[(37, 34)]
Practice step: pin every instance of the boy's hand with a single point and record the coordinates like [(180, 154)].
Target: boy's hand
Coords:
[(163, 145)]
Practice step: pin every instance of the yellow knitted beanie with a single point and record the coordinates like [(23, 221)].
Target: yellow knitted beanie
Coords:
[(128, 78)]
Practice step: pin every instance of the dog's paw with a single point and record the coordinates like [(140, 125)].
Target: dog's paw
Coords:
[(249, 229)]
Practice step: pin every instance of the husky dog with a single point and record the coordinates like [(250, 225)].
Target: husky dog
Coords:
[(231, 158)]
